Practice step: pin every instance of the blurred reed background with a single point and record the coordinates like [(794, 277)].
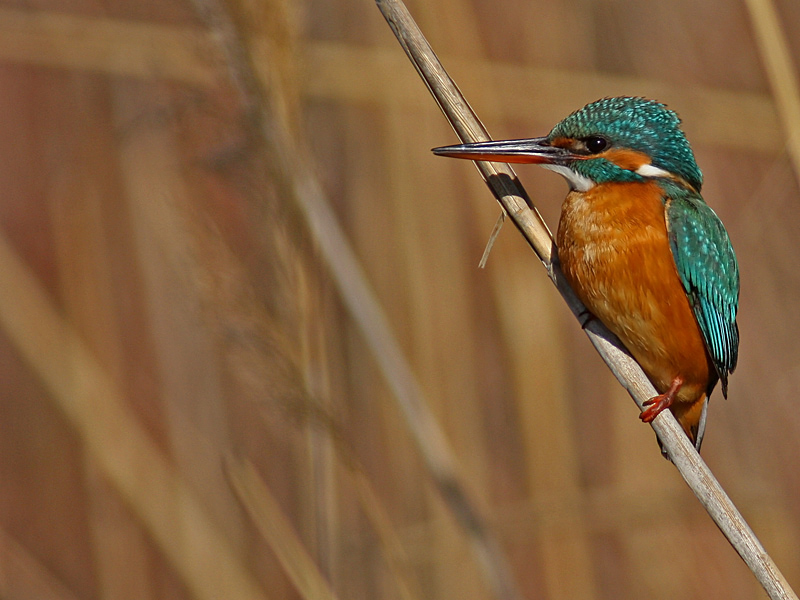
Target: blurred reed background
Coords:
[(188, 409)]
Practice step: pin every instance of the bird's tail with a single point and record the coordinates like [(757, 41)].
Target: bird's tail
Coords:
[(692, 417)]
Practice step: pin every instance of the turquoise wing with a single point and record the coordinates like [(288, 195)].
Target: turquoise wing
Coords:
[(710, 274)]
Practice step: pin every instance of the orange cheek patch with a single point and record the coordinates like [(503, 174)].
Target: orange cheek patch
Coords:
[(627, 159), (563, 142)]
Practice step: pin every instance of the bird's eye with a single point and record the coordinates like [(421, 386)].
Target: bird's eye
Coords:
[(595, 144)]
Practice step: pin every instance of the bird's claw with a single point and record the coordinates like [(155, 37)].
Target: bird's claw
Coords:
[(658, 403), (654, 406)]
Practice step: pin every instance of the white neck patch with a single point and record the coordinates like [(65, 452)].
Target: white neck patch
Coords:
[(576, 181), (648, 170)]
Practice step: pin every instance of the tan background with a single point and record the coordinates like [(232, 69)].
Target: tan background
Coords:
[(187, 407)]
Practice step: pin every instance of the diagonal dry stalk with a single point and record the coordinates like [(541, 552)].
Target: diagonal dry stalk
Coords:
[(509, 192)]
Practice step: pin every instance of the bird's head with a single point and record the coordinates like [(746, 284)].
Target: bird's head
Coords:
[(610, 140)]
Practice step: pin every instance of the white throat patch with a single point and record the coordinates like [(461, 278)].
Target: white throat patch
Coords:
[(576, 181)]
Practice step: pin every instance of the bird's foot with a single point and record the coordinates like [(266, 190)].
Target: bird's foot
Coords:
[(585, 317), (658, 403)]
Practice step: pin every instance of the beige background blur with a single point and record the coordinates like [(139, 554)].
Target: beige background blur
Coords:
[(187, 408)]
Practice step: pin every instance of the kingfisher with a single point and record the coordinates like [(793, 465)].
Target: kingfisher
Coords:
[(640, 247)]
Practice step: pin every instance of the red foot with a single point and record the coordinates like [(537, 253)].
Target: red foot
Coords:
[(660, 402)]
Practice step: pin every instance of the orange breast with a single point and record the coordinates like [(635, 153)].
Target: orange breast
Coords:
[(614, 251)]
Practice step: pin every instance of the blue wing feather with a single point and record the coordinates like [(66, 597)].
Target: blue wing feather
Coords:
[(709, 272)]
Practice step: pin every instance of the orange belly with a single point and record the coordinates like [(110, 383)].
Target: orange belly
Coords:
[(614, 251)]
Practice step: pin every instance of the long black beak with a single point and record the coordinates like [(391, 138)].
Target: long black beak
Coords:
[(534, 151)]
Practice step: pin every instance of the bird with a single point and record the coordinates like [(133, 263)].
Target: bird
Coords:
[(640, 247)]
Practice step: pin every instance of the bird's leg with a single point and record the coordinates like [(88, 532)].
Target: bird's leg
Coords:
[(658, 403)]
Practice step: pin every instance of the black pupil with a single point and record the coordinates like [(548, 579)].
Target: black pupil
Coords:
[(595, 144)]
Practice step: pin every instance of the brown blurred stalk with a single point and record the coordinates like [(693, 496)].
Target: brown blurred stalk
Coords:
[(262, 94), (777, 57)]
